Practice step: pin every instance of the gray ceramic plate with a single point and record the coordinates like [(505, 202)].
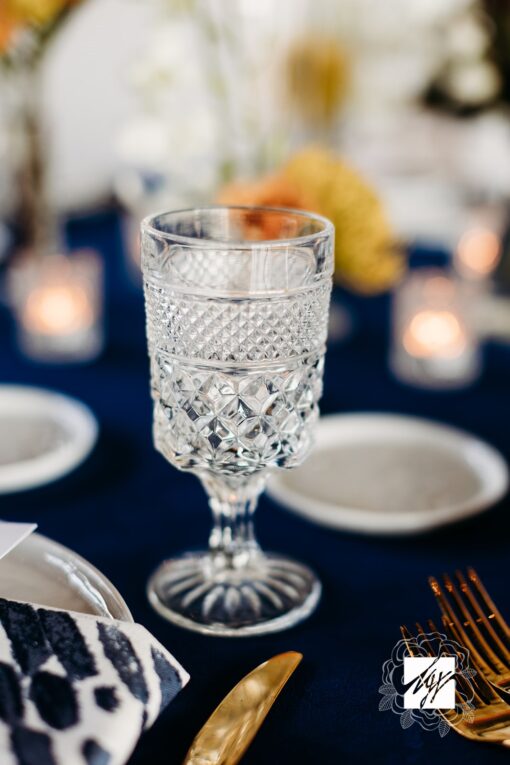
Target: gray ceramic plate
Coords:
[(382, 473), (43, 436)]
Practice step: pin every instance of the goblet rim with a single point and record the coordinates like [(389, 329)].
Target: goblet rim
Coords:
[(327, 230)]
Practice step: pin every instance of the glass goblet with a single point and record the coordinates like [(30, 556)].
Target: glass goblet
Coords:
[(237, 302)]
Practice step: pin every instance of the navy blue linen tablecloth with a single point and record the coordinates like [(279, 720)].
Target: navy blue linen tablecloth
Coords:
[(126, 509)]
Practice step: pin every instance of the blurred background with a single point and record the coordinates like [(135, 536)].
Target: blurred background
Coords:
[(391, 119)]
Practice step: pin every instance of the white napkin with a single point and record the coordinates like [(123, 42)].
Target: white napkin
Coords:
[(78, 689)]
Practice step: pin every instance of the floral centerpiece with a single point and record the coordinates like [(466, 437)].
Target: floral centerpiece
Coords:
[(367, 258)]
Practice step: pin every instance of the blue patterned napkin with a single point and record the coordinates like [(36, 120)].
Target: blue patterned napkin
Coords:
[(78, 689)]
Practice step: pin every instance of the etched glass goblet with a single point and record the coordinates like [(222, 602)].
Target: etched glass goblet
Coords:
[(237, 302)]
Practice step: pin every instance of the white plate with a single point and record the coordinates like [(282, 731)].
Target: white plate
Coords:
[(43, 436), (44, 572), (391, 474)]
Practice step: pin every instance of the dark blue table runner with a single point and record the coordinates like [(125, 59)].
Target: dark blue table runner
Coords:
[(126, 509)]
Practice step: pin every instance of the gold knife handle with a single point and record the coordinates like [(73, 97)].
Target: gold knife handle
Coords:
[(234, 723)]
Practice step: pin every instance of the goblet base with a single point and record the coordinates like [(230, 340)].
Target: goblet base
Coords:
[(207, 593)]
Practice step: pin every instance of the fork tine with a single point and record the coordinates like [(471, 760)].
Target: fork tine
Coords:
[(489, 604), (460, 636), (484, 649), (408, 637), (503, 651), (421, 631), (454, 622)]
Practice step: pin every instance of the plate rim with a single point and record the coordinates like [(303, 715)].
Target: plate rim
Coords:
[(49, 467), (85, 566), (373, 522)]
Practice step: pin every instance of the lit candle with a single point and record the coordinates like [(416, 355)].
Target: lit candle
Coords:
[(59, 302), (60, 309), (434, 344)]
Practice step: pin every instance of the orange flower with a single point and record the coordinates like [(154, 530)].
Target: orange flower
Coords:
[(8, 26), (271, 191), (16, 14)]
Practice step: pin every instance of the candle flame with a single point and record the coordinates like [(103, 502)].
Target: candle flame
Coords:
[(434, 333), (479, 252), (58, 310)]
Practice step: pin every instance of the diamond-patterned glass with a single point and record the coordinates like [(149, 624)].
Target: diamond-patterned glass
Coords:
[(237, 309)]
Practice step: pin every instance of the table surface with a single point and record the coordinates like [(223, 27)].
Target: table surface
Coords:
[(126, 509)]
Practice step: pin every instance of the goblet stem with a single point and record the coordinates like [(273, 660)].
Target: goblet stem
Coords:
[(234, 588), (232, 542)]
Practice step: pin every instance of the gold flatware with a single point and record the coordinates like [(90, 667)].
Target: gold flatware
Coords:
[(490, 715), (234, 723), (471, 617)]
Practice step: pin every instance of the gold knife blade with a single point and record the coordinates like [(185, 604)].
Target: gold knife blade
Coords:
[(231, 728)]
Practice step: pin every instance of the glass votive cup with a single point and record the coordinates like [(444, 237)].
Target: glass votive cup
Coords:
[(58, 304), (435, 343)]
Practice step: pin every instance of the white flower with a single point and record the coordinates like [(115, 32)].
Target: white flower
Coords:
[(160, 141), (432, 12), (468, 37), (473, 82), (143, 143), (171, 60)]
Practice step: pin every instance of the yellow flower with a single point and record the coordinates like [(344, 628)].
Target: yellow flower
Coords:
[(317, 78), (366, 256), (38, 12)]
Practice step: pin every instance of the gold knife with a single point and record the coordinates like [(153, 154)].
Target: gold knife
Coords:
[(233, 725)]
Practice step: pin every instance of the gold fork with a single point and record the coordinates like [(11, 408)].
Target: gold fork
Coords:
[(490, 716), (470, 616)]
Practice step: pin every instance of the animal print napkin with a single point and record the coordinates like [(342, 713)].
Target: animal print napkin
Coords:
[(78, 689)]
